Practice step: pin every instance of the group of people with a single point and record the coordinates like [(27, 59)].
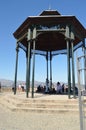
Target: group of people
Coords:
[(61, 88), (58, 89)]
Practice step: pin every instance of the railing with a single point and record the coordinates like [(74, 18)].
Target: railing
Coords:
[(81, 73)]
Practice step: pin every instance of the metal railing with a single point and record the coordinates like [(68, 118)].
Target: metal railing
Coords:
[(81, 73)]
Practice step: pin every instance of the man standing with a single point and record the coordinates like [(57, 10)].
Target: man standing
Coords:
[(59, 88), (0, 86)]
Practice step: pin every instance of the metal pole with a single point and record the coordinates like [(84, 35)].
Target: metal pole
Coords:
[(84, 63), (47, 80), (79, 94), (27, 72), (16, 67), (47, 64), (50, 70), (29, 67), (28, 64), (68, 66), (33, 68), (73, 73), (72, 56)]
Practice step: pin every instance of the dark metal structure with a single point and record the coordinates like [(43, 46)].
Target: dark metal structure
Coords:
[(49, 34)]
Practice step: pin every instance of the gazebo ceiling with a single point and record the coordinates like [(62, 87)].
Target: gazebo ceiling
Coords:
[(50, 41)]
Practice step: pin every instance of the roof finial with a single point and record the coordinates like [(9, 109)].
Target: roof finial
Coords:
[(49, 6)]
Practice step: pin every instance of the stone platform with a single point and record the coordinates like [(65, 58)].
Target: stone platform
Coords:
[(41, 103)]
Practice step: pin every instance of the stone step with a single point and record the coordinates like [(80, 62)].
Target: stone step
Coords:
[(47, 105), (50, 106), (43, 101), (6, 104), (37, 110), (39, 105), (46, 110)]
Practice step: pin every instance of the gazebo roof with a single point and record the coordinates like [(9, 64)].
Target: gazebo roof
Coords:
[(49, 12), (50, 40)]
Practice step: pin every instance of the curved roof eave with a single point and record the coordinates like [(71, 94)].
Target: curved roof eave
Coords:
[(51, 18)]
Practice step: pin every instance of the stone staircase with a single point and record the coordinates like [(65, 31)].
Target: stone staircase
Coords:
[(39, 105)]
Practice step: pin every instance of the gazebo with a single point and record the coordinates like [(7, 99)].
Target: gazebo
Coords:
[(49, 34)]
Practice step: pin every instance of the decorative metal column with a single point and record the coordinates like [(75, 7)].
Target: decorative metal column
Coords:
[(72, 57), (28, 63), (67, 35), (47, 78), (33, 67), (73, 72), (16, 67), (47, 66), (68, 66), (50, 70)]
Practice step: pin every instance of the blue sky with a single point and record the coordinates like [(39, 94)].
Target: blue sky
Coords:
[(12, 14)]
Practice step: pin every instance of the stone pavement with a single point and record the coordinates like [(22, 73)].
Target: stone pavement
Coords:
[(10, 120), (20, 120), (40, 103)]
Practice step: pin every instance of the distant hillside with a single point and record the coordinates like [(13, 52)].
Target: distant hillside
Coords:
[(6, 82), (10, 83)]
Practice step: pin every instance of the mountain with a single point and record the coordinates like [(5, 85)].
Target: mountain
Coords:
[(10, 83), (6, 82)]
